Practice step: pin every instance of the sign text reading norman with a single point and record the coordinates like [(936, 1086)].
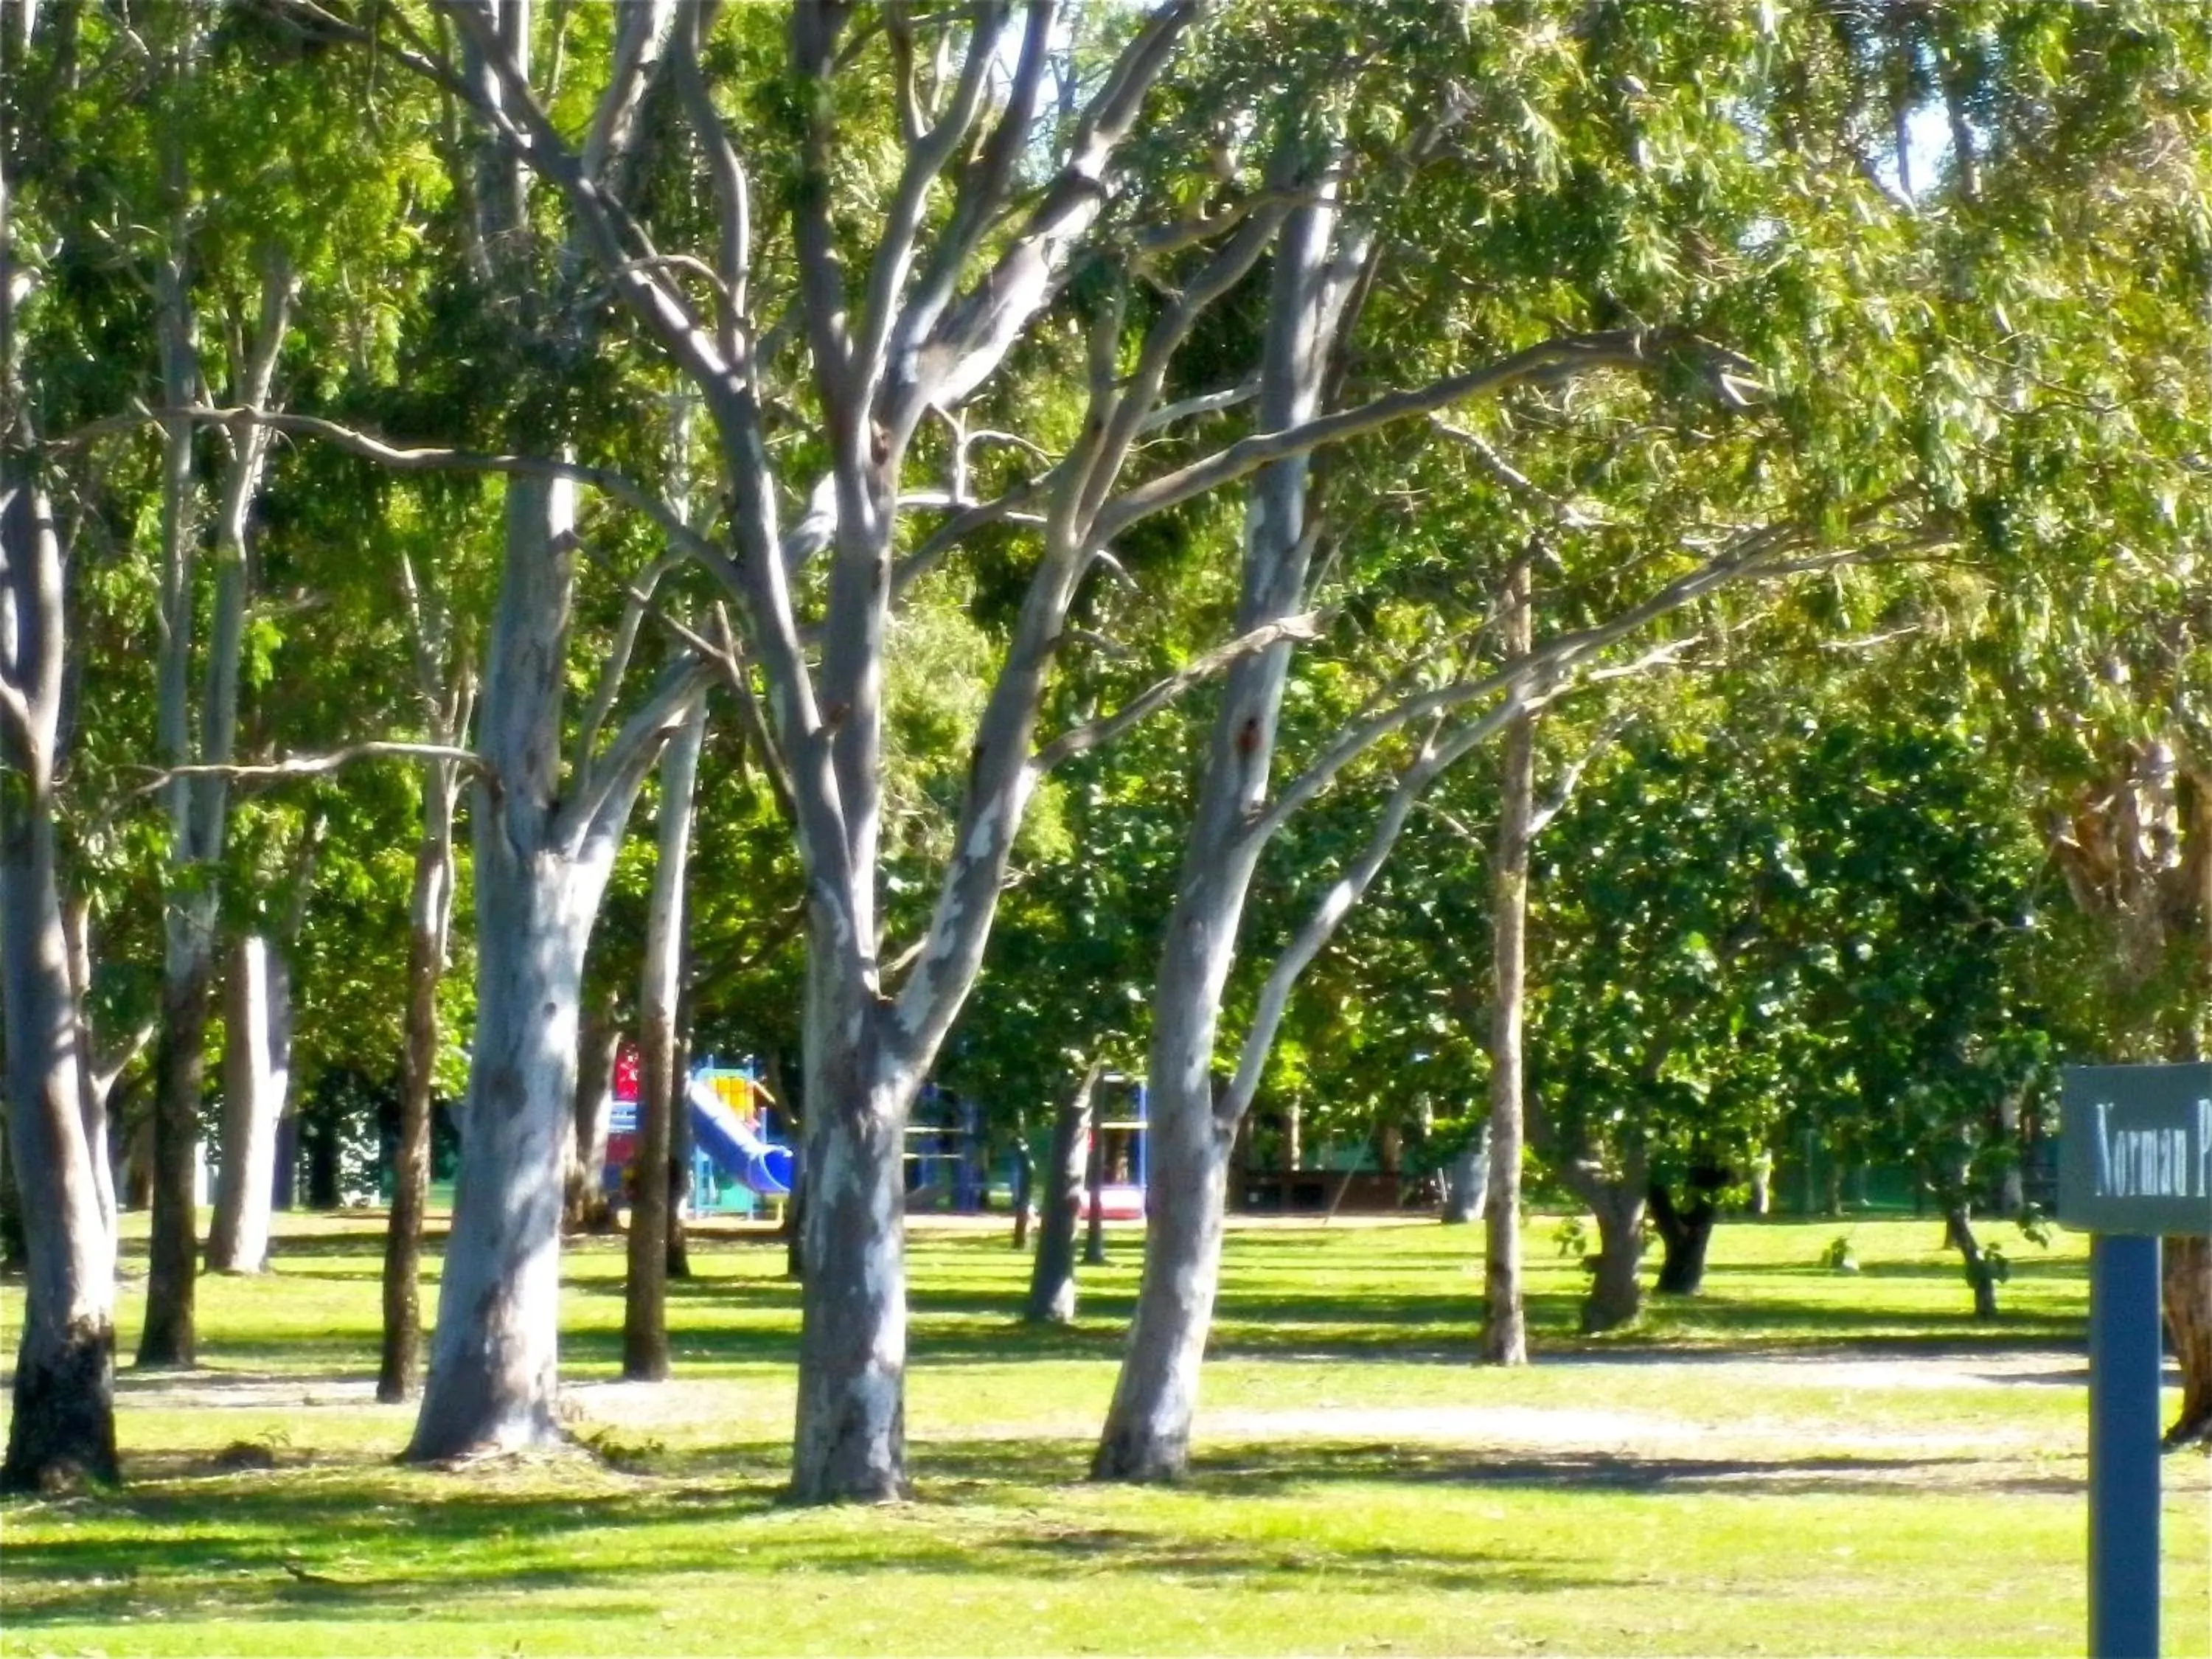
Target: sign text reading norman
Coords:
[(2136, 1149)]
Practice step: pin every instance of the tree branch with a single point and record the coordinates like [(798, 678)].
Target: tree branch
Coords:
[(1564, 357), (598, 797), (1094, 734), (431, 458), (975, 331), (315, 766), (1554, 656)]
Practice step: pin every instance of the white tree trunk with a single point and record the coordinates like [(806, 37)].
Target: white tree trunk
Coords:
[(257, 1072), (1147, 1431), (494, 1350), (850, 1441), (63, 1423), (494, 1353), (660, 1087), (1505, 1323)]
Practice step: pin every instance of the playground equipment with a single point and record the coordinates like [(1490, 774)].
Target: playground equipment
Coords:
[(946, 1167), (728, 1135), (1121, 1152), (737, 1159)]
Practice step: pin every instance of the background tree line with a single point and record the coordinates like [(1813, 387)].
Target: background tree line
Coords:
[(1627, 572)]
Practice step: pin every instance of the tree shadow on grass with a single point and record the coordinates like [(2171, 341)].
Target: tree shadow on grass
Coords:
[(1249, 1472), (334, 1539)]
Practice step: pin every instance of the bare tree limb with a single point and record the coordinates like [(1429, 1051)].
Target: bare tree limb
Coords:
[(1553, 656), (598, 797), (315, 766), (434, 458), (975, 332), (1210, 403), (1566, 355), (1096, 733), (925, 160)]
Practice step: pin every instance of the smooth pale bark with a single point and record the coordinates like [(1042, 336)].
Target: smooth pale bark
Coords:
[(1146, 1436), (586, 1206), (850, 1441), (1052, 1271), (542, 859), (429, 915), (97, 1073), (544, 834), (256, 1068), (1505, 1321), (493, 1352), (62, 1426), (62, 1421), (660, 1087)]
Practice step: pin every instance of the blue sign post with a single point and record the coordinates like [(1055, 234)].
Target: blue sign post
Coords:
[(2124, 1367), (2134, 1162)]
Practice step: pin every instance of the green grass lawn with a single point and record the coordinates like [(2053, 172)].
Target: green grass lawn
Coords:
[(1797, 1461)]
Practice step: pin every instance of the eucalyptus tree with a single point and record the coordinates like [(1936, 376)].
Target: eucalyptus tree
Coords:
[(660, 1082), (2071, 236), (445, 684), (961, 266), (198, 65), (62, 1426), (1644, 140)]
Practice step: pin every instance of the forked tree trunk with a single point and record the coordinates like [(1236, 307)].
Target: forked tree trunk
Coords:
[(430, 911), (1505, 1321), (1052, 1273), (542, 854), (1147, 1431), (257, 1066), (585, 1206), (62, 1425), (2186, 1280), (1616, 1291), (660, 1085), (1980, 1271)]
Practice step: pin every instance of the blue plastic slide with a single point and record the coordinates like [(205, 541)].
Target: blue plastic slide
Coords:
[(736, 1150)]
